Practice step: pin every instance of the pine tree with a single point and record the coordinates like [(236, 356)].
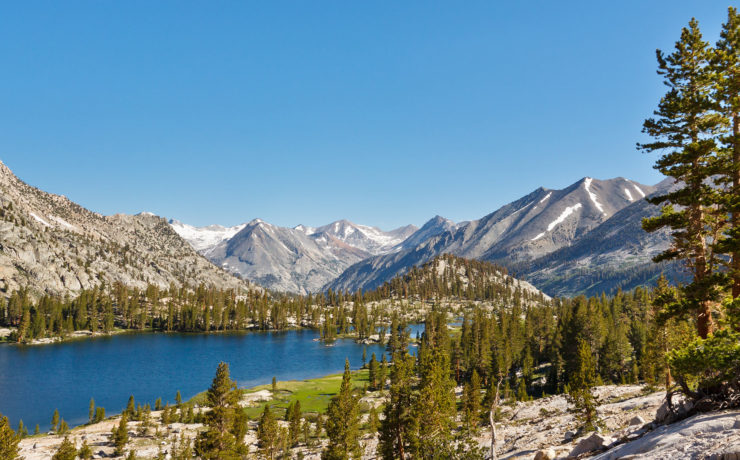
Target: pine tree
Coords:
[(342, 426), (55, 420), (580, 387), (120, 434), (472, 400), (435, 407), (23, 326), (66, 451), (130, 407), (682, 128), (8, 440), (91, 410), (295, 422), (398, 428), (63, 427), (373, 372), (146, 421), (382, 372), (85, 452), (99, 414), (616, 351), (22, 431), (664, 332), (223, 419), (373, 421), (166, 416), (267, 433)]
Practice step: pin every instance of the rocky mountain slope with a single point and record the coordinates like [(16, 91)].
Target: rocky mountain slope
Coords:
[(580, 228), (52, 245), (300, 259), (617, 253), (585, 238)]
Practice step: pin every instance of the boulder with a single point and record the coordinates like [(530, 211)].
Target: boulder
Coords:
[(681, 407), (637, 420), (545, 454), (592, 443), (569, 435)]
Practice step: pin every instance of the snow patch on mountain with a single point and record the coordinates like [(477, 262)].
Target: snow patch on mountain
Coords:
[(564, 215), (639, 190), (629, 195), (545, 198), (592, 195), (39, 219), (63, 223)]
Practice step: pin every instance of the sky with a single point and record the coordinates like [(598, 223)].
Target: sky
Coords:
[(384, 113)]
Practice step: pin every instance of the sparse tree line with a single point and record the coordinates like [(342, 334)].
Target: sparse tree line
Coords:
[(508, 354), (106, 308)]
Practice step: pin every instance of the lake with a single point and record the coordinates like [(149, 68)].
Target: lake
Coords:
[(34, 380)]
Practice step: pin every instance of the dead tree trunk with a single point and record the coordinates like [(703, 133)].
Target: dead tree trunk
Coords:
[(492, 416)]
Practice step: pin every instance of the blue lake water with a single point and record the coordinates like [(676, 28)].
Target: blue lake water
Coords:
[(34, 380)]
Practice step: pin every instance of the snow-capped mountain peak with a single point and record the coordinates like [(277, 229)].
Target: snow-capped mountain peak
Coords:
[(299, 259), (369, 239), (204, 238)]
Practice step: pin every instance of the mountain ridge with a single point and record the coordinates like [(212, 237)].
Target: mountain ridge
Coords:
[(527, 229), (51, 245), (300, 259)]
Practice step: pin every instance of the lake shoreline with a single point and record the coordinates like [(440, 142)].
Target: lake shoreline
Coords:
[(84, 334), (34, 380)]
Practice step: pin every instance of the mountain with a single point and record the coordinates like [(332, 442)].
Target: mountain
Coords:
[(300, 259), (369, 239), (545, 220), (615, 254), (537, 225), (52, 245), (434, 226), (203, 238)]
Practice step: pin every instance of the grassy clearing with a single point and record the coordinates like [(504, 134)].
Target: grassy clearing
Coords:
[(314, 394)]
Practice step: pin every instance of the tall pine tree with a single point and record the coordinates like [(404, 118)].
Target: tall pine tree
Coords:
[(342, 426), (224, 436), (682, 129)]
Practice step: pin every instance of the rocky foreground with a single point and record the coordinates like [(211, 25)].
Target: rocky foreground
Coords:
[(540, 429), (546, 429)]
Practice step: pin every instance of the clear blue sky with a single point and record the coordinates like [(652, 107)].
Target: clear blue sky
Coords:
[(384, 113)]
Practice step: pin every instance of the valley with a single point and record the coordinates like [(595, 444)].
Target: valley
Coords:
[(564, 302)]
